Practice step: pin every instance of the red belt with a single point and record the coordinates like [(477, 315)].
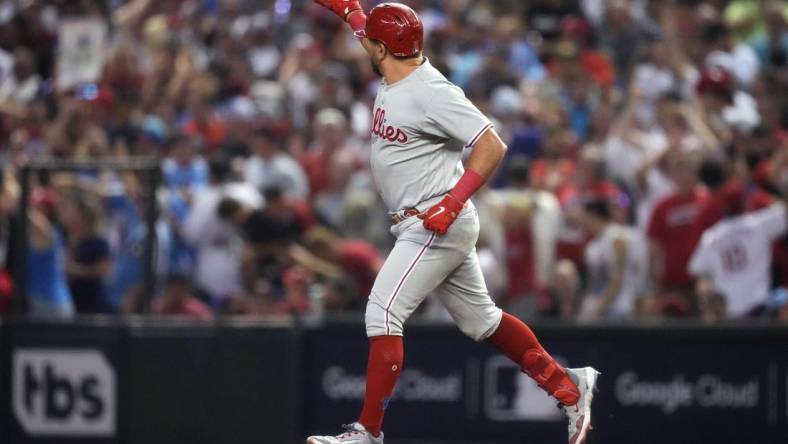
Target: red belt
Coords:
[(402, 215)]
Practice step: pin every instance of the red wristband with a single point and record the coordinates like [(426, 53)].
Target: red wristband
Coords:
[(469, 183), (357, 20)]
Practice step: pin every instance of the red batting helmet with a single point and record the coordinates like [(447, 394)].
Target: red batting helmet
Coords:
[(397, 26)]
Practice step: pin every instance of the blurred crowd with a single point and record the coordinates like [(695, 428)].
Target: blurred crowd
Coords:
[(647, 158)]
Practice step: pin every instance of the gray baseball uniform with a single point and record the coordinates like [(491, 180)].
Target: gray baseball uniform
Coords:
[(420, 127)]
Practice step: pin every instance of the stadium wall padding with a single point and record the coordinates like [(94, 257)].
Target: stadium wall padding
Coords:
[(142, 382)]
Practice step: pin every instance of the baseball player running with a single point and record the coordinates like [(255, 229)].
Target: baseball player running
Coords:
[(421, 125)]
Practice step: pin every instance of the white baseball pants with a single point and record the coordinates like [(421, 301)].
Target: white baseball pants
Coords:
[(423, 263)]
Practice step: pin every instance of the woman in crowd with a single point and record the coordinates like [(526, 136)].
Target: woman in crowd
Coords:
[(88, 262)]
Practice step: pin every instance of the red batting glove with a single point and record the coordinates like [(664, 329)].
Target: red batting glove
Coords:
[(440, 217), (342, 8)]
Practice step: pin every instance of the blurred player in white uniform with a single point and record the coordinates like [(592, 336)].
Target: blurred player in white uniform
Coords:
[(421, 125), (734, 257)]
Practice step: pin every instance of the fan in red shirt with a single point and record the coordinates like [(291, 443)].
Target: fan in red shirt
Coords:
[(330, 131), (674, 230), (520, 206), (589, 184), (358, 259), (523, 285)]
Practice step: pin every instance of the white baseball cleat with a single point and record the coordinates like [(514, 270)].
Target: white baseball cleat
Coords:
[(579, 415), (354, 434)]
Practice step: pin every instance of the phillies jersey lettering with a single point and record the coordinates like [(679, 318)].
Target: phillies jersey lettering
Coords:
[(390, 133), (420, 126)]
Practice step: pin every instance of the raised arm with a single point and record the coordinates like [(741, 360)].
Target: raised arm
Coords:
[(41, 235)]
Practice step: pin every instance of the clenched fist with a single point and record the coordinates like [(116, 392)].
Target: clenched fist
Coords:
[(440, 217), (342, 8)]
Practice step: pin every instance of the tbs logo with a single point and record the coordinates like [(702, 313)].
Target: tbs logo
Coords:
[(64, 392)]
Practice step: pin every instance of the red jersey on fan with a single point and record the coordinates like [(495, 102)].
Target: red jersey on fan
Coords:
[(316, 166), (572, 240), (361, 261), (677, 224), (520, 262)]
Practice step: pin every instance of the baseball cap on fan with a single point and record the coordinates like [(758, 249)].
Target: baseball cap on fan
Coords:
[(397, 26)]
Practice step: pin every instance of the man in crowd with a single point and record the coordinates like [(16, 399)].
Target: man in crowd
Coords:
[(616, 264), (734, 256), (674, 230)]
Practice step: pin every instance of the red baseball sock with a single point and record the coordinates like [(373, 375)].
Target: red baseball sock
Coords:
[(515, 340), (383, 369)]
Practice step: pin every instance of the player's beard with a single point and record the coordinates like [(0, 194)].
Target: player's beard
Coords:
[(376, 63), (375, 66)]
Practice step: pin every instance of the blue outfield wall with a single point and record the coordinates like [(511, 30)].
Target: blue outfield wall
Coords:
[(144, 382)]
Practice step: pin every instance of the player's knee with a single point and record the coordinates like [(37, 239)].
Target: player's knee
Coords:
[(482, 328), (380, 322)]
